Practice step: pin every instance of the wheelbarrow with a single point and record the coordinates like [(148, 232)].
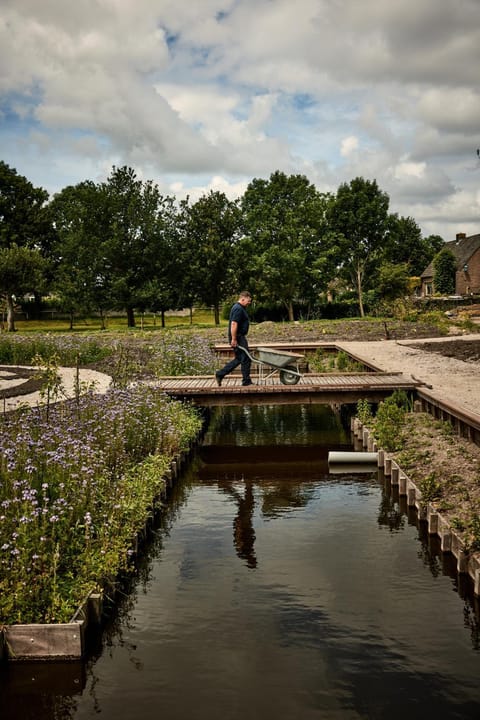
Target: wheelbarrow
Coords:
[(271, 361)]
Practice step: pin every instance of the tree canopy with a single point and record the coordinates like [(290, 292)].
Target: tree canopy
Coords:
[(358, 215), (121, 244), (284, 254), (211, 231), (444, 267), (21, 271)]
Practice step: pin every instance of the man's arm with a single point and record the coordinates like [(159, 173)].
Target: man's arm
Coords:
[(233, 332)]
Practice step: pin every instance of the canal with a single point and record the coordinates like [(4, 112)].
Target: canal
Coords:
[(275, 589)]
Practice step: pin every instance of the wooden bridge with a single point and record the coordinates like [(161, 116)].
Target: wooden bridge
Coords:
[(327, 388)]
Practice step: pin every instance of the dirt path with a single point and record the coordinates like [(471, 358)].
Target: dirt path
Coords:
[(16, 383), (455, 380)]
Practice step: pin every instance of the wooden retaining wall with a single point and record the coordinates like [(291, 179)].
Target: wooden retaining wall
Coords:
[(450, 539)]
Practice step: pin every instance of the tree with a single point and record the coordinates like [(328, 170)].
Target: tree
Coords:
[(406, 244), (24, 216), (211, 230), (132, 243), (444, 271), (22, 270), (81, 223), (284, 252), (393, 281), (161, 290), (358, 215), (25, 220), (113, 248)]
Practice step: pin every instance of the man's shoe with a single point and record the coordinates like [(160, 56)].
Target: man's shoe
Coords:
[(247, 382), (218, 378)]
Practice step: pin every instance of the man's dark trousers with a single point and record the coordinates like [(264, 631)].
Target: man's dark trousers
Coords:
[(240, 358)]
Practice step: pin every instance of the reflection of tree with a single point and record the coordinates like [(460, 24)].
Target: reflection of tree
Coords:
[(389, 513), (471, 620), (283, 496), (275, 425), (243, 531)]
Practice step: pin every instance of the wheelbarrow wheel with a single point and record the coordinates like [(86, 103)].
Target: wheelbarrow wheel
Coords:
[(287, 377)]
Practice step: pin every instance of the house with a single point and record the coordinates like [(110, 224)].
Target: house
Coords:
[(467, 277)]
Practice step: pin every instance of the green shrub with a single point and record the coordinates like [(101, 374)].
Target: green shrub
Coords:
[(364, 412), (430, 488), (388, 425)]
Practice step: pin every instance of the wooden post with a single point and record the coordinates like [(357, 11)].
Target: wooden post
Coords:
[(476, 586), (446, 541), (432, 521), (462, 561), (395, 473)]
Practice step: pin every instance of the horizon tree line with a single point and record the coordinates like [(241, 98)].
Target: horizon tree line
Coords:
[(122, 245)]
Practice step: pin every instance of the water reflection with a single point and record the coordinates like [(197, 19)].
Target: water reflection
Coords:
[(243, 531), (300, 594), (264, 425), (392, 511), (268, 443)]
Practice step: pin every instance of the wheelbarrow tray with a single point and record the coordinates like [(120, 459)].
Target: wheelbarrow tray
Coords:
[(281, 361), (277, 358)]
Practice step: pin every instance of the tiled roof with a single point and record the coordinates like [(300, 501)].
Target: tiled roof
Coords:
[(463, 250)]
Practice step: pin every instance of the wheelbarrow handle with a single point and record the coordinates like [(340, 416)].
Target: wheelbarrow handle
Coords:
[(240, 347)]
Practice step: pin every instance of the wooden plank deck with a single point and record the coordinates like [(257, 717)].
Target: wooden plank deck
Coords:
[(311, 388)]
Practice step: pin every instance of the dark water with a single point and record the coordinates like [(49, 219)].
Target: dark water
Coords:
[(275, 590)]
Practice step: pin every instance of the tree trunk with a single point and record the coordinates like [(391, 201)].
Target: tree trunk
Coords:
[(360, 293), (216, 311), (163, 317), (10, 314), (291, 316), (130, 317)]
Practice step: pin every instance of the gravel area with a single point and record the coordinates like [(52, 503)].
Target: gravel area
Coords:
[(18, 385), (455, 380)]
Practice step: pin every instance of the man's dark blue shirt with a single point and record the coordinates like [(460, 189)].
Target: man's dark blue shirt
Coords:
[(240, 316)]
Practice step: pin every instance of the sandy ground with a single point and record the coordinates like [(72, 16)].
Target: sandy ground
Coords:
[(454, 380), (99, 380)]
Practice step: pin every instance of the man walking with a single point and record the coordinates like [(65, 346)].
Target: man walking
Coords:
[(238, 325)]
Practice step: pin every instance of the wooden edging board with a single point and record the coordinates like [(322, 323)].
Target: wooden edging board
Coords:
[(450, 539)]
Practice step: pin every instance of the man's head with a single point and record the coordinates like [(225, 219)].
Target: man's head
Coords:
[(244, 298)]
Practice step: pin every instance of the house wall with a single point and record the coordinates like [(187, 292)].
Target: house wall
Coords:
[(468, 281), (427, 288)]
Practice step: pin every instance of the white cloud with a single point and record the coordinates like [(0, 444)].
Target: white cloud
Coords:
[(410, 169), (349, 145), (211, 94)]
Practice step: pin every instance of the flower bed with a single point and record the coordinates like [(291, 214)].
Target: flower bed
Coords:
[(76, 486)]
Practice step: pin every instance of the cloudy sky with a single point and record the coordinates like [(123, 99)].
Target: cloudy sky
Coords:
[(208, 94)]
